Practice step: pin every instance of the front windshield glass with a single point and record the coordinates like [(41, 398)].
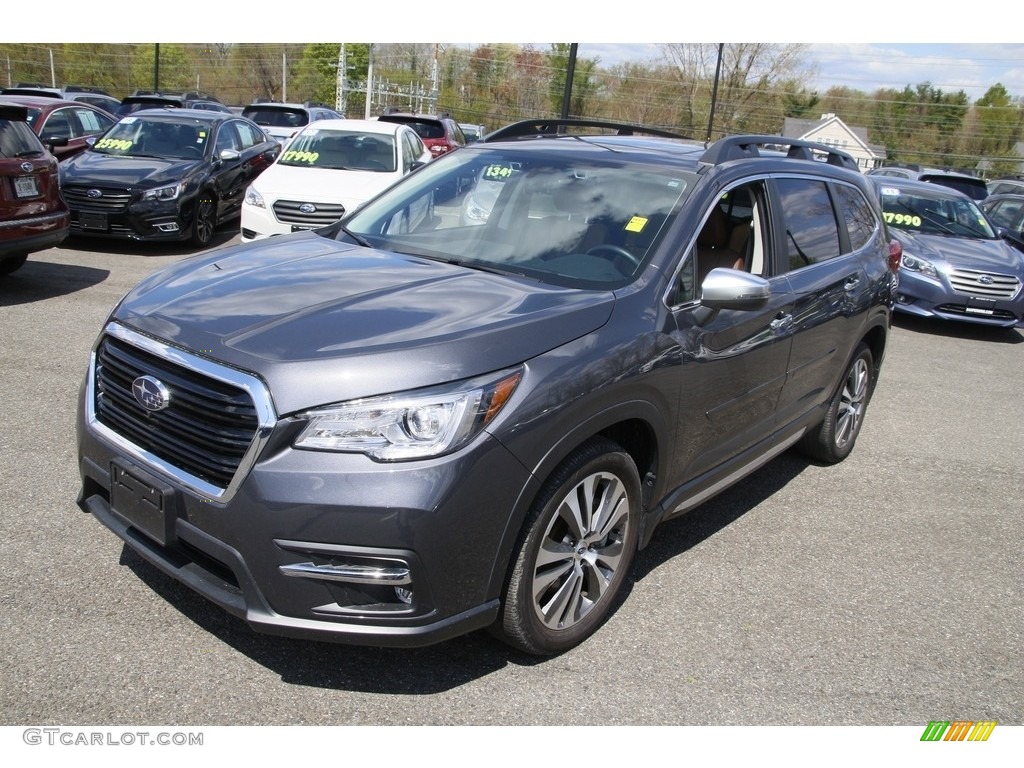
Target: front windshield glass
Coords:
[(341, 150), (587, 219), (139, 136), (917, 212)]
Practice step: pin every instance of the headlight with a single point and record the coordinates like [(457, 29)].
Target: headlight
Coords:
[(254, 198), (164, 193), (914, 264), (410, 425)]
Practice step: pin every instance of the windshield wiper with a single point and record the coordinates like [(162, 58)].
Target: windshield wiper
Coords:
[(358, 238)]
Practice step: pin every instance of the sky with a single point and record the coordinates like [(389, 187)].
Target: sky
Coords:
[(864, 66), (874, 49)]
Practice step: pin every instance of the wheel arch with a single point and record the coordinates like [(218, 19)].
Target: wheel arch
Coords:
[(633, 426)]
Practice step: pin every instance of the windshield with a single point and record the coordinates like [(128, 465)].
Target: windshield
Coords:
[(341, 150), (549, 216), (925, 214), (139, 136)]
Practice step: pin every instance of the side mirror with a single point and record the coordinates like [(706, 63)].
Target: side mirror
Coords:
[(54, 141), (229, 154), (733, 289)]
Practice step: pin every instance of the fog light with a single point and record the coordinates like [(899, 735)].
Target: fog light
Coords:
[(903, 299), (404, 595), (172, 227)]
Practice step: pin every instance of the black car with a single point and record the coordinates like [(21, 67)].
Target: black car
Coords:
[(140, 100), (389, 434), (1006, 210), (169, 174)]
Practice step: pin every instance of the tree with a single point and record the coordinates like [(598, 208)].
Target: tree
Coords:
[(749, 96)]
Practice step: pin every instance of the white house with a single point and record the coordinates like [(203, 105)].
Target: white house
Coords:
[(833, 132)]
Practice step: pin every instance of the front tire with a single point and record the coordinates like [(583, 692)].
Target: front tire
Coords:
[(835, 437), (575, 553), (205, 221)]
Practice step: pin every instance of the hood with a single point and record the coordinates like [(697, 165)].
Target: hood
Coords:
[(97, 169), (963, 252), (323, 321), (321, 185)]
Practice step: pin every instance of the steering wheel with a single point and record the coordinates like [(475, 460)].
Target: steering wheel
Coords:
[(614, 252), (192, 151)]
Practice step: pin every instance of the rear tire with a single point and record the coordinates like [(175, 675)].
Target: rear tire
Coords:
[(835, 437), (575, 552)]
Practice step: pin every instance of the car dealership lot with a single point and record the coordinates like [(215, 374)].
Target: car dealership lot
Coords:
[(885, 590)]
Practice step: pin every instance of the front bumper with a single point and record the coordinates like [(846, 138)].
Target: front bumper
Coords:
[(930, 297), (140, 220), (321, 545)]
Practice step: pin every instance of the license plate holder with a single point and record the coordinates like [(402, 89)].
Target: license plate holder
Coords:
[(97, 221), (976, 306), (301, 228), (26, 186), (143, 502)]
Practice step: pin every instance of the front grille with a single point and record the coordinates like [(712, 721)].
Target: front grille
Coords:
[(287, 212), (112, 199), (989, 285), (207, 427)]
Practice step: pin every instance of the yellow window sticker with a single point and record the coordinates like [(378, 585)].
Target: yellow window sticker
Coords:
[(300, 157), (119, 144), (636, 224)]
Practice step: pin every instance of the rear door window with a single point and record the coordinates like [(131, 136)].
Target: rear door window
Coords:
[(810, 229)]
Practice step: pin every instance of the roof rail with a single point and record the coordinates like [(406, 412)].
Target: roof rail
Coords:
[(738, 147), (556, 127)]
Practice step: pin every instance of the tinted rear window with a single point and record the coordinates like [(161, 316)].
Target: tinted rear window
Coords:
[(17, 139), (973, 188), (276, 118)]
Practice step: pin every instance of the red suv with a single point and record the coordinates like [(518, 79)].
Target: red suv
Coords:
[(440, 133), (33, 214)]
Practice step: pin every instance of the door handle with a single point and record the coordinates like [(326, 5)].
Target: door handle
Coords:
[(851, 284), (781, 322)]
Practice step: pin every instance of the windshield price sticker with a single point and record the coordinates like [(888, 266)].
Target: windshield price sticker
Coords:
[(902, 219), (122, 144), (498, 172), (295, 156)]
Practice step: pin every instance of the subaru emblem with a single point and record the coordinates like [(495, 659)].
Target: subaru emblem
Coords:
[(151, 393), (27, 167), (986, 280), (307, 208), (94, 193)]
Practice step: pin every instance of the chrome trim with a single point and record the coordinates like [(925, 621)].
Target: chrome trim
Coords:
[(353, 574), (731, 478), (34, 220), (257, 390)]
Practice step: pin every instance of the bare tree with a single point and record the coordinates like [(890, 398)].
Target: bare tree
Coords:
[(750, 73)]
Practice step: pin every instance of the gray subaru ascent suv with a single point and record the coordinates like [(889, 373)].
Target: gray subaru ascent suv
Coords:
[(392, 433)]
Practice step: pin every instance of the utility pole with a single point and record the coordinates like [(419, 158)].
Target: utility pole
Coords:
[(714, 92), (340, 95), (369, 81), (156, 68), (570, 74)]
